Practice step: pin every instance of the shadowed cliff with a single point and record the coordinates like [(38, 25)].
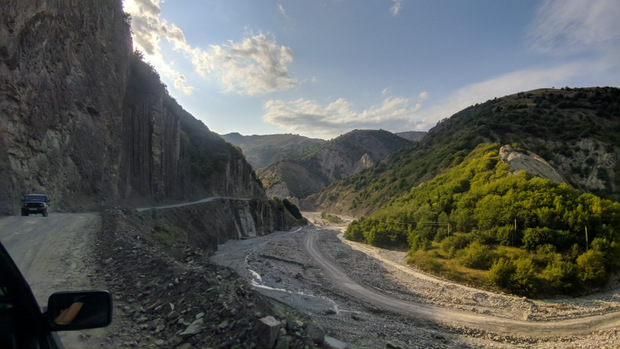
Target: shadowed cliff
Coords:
[(84, 120)]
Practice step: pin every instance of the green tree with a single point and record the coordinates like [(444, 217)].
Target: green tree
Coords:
[(476, 255), (500, 274), (591, 265), (524, 280), (354, 232), (561, 275), (533, 237)]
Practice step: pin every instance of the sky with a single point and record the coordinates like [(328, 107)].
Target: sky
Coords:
[(322, 68)]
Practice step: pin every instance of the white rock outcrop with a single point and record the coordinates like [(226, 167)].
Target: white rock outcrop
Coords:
[(530, 162)]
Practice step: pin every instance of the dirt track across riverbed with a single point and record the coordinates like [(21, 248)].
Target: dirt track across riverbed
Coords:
[(370, 298)]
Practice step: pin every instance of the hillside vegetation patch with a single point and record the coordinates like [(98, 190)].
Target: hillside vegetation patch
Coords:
[(477, 223)]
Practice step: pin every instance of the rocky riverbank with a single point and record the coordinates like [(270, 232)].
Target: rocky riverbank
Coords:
[(278, 267), (187, 301)]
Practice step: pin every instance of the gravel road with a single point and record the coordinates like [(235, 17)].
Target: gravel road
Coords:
[(368, 297), (55, 254)]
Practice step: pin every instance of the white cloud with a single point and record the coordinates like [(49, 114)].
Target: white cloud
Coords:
[(282, 11), (148, 29), (308, 117), (565, 26), (401, 114), (397, 5), (180, 84), (256, 65)]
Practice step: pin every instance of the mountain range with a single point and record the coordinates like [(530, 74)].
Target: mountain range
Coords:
[(317, 167)]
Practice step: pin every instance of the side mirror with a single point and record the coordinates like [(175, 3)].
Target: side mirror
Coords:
[(67, 311)]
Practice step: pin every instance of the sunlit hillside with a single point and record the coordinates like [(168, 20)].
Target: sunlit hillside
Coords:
[(480, 223)]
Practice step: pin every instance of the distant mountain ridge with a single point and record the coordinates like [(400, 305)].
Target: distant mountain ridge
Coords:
[(412, 135), (262, 150), (576, 130), (333, 160)]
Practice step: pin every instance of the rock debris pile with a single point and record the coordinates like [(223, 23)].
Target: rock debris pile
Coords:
[(185, 302)]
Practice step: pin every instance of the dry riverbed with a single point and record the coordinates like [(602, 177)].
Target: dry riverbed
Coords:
[(278, 266)]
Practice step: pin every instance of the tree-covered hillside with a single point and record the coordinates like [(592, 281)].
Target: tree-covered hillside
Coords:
[(262, 150), (576, 130), (481, 224)]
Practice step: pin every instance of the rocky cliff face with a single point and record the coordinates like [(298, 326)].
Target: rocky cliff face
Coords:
[(63, 71), (85, 121)]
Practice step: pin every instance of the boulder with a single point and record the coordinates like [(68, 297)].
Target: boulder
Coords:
[(315, 333), (267, 331), (194, 328)]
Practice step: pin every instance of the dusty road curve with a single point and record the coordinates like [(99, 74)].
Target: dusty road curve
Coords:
[(454, 317)]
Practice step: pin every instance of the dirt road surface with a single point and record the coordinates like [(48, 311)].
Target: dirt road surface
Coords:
[(369, 298), (55, 254)]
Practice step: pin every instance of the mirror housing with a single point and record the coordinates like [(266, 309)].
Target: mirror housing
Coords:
[(68, 311)]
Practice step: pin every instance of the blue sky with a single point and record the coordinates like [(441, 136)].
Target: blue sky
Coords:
[(321, 68)]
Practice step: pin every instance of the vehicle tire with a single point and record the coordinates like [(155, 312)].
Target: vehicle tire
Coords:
[(45, 213), (24, 213)]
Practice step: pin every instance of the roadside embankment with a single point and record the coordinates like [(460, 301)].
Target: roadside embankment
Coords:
[(185, 300)]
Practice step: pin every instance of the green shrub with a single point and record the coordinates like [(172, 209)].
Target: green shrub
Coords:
[(426, 261), (500, 274), (533, 237), (561, 275), (330, 218), (420, 243), (524, 281), (354, 232), (453, 243), (545, 254), (476, 255), (591, 265)]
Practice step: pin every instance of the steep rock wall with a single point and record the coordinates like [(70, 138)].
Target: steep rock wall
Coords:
[(84, 120), (63, 69), (151, 151)]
